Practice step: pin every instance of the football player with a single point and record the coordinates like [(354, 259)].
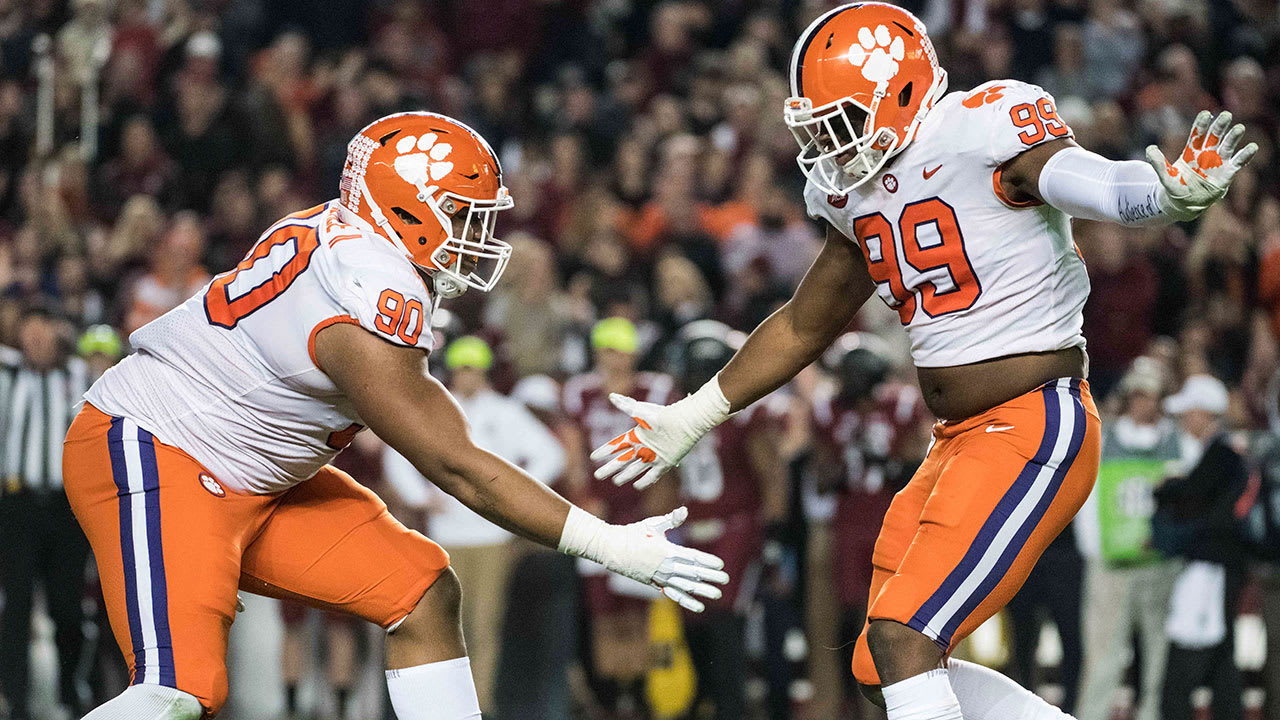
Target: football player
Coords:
[(869, 432), (955, 209), (734, 485), (199, 464)]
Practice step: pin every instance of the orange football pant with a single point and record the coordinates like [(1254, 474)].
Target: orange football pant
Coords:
[(993, 492), (173, 546)]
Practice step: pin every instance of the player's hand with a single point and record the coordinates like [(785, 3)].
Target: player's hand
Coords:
[(642, 552), (682, 574), (663, 435), (1201, 175)]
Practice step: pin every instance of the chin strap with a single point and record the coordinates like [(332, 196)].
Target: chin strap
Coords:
[(442, 281), (379, 219), (446, 285)]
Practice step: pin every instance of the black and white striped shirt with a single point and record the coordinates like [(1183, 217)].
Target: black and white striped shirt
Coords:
[(36, 409)]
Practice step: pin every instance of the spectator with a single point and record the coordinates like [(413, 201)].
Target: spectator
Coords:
[(870, 433), (530, 309), (80, 302), (40, 384), (1196, 520), (734, 487), (1123, 575), (1264, 532), (1122, 302), (1066, 77), (539, 641), (201, 137), (83, 42), (478, 550), (339, 658), (1052, 592), (176, 273), (619, 609), (123, 250), (1177, 93), (1114, 45), (140, 168), (100, 347)]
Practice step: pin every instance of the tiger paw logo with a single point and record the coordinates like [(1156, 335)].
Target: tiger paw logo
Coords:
[(877, 53), (422, 160), (985, 96), (1196, 157), (213, 486)]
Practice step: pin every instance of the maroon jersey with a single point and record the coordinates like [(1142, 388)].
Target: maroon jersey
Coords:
[(721, 488), (868, 444), (717, 479), (586, 405)]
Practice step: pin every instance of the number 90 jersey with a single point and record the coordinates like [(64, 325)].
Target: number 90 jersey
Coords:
[(230, 376), (972, 274)]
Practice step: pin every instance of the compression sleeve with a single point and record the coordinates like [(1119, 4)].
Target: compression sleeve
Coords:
[(1086, 185)]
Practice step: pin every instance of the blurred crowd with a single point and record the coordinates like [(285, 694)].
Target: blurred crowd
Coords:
[(144, 144)]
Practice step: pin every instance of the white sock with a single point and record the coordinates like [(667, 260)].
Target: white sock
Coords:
[(987, 695), (924, 697), (149, 702), (435, 691)]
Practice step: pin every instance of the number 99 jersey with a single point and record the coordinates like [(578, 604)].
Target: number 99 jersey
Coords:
[(230, 376), (972, 274)]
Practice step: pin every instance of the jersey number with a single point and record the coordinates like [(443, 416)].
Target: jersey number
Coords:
[(398, 317), (272, 266), (1038, 121), (923, 251), (268, 270)]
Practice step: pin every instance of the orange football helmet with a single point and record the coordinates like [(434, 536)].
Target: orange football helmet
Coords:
[(863, 77), (410, 175)]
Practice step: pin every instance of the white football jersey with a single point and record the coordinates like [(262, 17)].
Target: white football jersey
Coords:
[(972, 275), (230, 375)]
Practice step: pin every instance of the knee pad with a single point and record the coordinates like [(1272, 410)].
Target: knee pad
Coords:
[(149, 702)]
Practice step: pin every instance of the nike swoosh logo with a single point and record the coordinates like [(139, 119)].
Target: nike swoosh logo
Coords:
[(998, 428), (929, 173)]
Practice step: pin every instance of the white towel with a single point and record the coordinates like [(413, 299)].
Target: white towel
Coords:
[(1197, 612)]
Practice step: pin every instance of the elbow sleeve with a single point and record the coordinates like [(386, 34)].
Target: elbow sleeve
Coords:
[(1086, 185)]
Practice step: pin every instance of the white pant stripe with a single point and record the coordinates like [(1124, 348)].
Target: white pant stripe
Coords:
[(141, 553)]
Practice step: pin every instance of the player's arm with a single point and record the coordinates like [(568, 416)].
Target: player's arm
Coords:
[(1131, 192), (822, 307), (413, 413), (836, 285)]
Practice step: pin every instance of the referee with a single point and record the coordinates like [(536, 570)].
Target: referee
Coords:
[(40, 385)]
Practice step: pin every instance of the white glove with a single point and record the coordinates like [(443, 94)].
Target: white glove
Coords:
[(642, 552), (1201, 175), (663, 434)]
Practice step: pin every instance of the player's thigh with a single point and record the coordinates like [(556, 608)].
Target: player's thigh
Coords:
[(999, 501), (902, 519), (900, 526), (331, 543), (166, 539)]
